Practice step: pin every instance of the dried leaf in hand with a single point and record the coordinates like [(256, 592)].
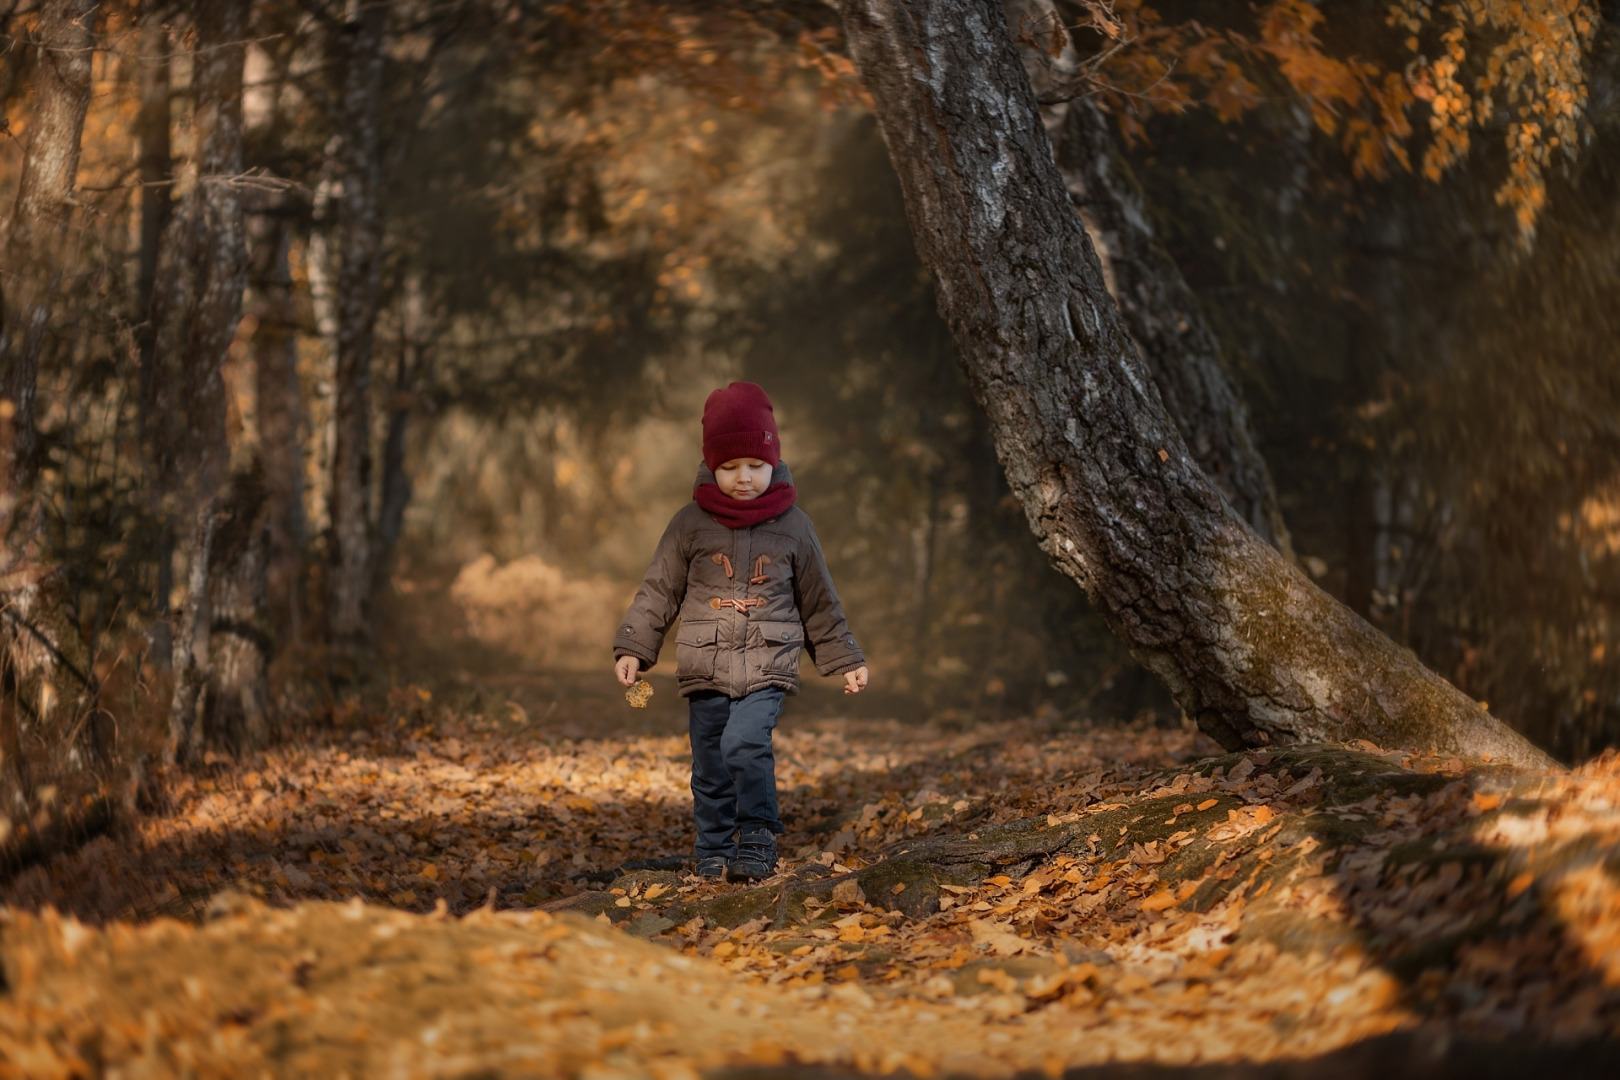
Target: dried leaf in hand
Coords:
[(639, 694)]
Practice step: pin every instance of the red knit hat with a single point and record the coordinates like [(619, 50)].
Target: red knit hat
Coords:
[(738, 422)]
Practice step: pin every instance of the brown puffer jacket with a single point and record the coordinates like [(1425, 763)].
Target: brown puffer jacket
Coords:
[(749, 601)]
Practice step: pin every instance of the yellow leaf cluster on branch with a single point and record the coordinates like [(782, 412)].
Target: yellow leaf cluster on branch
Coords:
[(1512, 65), (1525, 71)]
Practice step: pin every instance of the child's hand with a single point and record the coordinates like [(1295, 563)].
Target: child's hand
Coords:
[(855, 681), (626, 668)]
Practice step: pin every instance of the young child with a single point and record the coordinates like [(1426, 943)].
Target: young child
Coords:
[(741, 566)]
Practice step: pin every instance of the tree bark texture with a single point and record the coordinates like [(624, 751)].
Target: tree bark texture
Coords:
[(37, 239), (216, 241), (47, 683), (191, 641), (1251, 650), (356, 223), (198, 307), (9, 69), (239, 616), (156, 170), (156, 165), (274, 352), (1161, 311), (1166, 321)]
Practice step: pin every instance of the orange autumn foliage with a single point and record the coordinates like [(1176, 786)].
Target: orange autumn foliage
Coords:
[(1529, 76), (1512, 65)]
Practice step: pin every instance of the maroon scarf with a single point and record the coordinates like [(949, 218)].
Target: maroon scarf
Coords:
[(741, 513)]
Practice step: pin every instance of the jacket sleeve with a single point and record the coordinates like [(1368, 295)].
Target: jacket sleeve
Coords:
[(827, 638), (658, 601)]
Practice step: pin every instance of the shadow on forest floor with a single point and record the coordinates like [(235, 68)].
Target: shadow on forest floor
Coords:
[(958, 897), (1422, 1055)]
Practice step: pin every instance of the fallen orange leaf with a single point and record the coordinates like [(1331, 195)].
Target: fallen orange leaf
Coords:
[(1160, 900)]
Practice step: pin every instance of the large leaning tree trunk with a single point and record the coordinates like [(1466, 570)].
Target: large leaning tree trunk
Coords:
[(1251, 650), (1160, 309), (1166, 321)]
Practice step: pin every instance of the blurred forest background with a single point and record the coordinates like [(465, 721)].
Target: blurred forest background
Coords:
[(327, 323)]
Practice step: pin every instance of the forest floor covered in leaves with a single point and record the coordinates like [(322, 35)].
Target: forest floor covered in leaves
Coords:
[(436, 887)]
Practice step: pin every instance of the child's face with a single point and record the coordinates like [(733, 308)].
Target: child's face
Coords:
[(743, 478)]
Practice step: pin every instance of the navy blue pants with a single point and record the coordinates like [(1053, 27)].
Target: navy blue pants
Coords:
[(733, 768)]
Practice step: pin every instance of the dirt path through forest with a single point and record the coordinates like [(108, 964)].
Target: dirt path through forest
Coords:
[(431, 891)]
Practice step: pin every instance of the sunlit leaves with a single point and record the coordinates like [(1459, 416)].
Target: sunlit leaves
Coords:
[(1509, 66), (1134, 940), (1512, 65)]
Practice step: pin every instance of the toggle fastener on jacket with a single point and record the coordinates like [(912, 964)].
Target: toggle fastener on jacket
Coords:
[(739, 605)]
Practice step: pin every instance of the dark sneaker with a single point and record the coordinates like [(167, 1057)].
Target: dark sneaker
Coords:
[(713, 866), (756, 858)]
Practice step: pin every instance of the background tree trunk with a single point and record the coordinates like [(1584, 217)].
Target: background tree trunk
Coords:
[(156, 164), (198, 319), (1250, 649), (275, 365), (191, 640), (152, 125), (239, 615), (415, 341), (46, 678), (37, 240), (356, 225), (8, 70)]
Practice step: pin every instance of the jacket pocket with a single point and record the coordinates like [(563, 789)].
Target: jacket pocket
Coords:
[(695, 649), (780, 643)]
